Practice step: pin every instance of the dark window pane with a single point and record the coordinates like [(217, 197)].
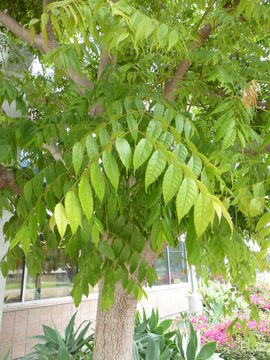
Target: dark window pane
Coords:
[(178, 264), (161, 267), (55, 280), (14, 284)]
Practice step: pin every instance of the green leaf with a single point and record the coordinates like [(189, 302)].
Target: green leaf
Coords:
[(4, 268), (41, 213), (27, 190), (155, 167), (186, 197), (77, 295), (95, 235), (173, 39), (91, 147), (264, 220), (229, 138), (158, 111), (38, 183), (195, 163), (154, 129), (258, 189), (224, 212), (203, 209), (152, 349), (191, 349), (132, 126), (44, 21), (73, 211), (106, 250), (171, 182), (33, 227), (187, 129), (142, 152), (255, 207), (179, 122), (167, 231), (133, 262), (60, 219), (25, 239), (77, 157), (104, 137), (207, 351), (124, 255), (180, 152), (156, 240), (111, 168), (97, 180), (86, 197), (166, 139), (124, 150)]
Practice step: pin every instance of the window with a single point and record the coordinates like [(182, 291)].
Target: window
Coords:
[(161, 267), (178, 265), (13, 291), (55, 280), (171, 266)]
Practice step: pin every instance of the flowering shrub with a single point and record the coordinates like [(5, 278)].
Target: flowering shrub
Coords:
[(236, 346), (220, 332), (249, 340), (261, 297)]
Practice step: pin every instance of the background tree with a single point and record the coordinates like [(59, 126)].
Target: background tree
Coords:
[(153, 121)]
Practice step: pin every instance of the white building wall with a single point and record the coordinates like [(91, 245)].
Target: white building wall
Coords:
[(22, 321)]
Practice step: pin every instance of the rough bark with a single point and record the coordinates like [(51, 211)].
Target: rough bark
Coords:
[(115, 327), (7, 180)]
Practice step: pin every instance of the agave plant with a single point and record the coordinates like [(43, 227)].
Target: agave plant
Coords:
[(188, 345), (153, 340), (6, 356), (73, 345)]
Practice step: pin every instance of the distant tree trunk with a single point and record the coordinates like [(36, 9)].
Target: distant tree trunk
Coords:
[(115, 327)]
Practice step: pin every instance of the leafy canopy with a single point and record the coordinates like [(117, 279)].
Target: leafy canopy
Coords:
[(170, 138)]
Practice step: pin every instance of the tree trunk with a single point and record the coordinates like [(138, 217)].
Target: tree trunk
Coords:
[(115, 327)]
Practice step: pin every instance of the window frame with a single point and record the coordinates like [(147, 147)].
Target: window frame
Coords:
[(184, 254)]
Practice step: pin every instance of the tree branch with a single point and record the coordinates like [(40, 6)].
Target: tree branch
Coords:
[(38, 42), (20, 31), (54, 150), (105, 59), (172, 85)]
